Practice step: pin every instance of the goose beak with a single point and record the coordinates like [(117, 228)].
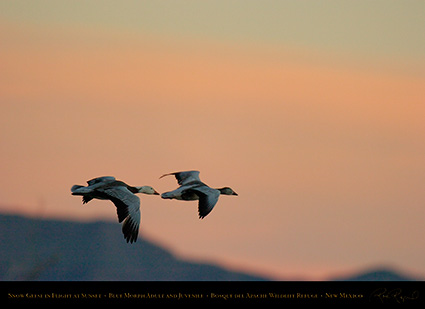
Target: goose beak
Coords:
[(156, 192), (234, 193)]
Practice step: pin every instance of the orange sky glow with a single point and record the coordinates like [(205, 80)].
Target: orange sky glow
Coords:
[(327, 155)]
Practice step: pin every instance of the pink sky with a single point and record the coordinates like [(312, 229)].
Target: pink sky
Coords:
[(326, 152)]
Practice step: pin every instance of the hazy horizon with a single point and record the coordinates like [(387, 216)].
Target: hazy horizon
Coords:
[(312, 112), (249, 270)]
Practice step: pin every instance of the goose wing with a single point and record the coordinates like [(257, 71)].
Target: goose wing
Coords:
[(208, 197), (186, 177), (100, 179), (128, 210)]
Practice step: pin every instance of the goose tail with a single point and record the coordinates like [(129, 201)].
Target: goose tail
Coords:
[(79, 190), (167, 195)]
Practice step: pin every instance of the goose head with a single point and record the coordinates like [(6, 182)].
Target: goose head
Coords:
[(147, 190), (227, 191)]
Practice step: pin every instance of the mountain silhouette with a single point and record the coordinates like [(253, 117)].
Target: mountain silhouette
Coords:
[(37, 249), (52, 250), (378, 274)]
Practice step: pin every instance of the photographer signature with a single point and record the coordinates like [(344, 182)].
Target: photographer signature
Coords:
[(397, 295)]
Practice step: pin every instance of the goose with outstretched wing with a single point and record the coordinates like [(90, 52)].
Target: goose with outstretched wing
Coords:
[(192, 188), (122, 195)]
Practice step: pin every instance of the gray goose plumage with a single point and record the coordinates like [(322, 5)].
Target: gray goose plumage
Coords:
[(122, 195), (192, 188)]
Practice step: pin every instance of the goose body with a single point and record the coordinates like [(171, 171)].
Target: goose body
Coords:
[(122, 195), (192, 188)]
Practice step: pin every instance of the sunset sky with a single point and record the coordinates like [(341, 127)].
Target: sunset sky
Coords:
[(312, 111)]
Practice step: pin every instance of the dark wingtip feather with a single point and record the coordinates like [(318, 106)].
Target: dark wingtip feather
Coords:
[(130, 230)]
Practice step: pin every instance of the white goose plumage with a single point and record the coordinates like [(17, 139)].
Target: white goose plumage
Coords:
[(122, 195), (192, 188)]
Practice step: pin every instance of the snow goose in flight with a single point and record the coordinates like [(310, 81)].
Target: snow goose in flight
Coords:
[(122, 195), (192, 188)]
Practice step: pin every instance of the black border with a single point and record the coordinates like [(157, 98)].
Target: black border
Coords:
[(215, 292)]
